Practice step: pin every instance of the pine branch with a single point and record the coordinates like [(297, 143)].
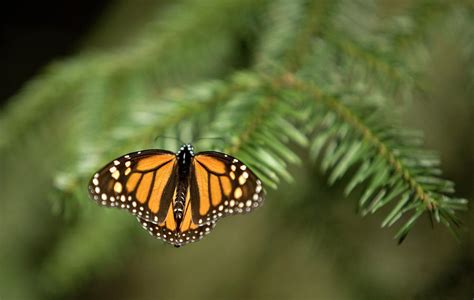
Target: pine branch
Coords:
[(262, 140), (385, 65), (397, 168)]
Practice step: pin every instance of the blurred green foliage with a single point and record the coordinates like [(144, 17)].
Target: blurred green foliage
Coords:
[(305, 92)]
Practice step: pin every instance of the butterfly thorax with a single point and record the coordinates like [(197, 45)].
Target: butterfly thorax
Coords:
[(184, 160)]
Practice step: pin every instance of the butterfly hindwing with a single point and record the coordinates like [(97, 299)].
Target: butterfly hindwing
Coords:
[(177, 239), (187, 232), (142, 182), (221, 185)]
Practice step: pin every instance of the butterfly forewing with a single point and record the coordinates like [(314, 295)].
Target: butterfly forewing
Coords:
[(221, 185), (143, 182)]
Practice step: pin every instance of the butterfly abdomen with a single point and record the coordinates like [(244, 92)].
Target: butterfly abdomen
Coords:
[(178, 207), (184, 159)]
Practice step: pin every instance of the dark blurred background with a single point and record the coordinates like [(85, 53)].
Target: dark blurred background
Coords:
[(33, 33), (293, 248)]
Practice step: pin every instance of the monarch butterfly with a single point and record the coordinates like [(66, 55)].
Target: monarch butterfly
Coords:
[(177, 197)]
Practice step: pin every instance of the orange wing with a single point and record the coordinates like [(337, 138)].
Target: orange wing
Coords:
[(142, 182), (221, 185)]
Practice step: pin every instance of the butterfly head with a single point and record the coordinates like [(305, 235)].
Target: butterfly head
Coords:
[(186, 149)]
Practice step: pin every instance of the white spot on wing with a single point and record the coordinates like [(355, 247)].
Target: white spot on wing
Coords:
[(242, 179), (238, 193), (116, 175), (118, 187)]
